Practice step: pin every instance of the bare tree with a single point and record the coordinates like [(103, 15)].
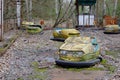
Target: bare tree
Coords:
[(29, 9), (104, 7), (64, 13), (115, 7)]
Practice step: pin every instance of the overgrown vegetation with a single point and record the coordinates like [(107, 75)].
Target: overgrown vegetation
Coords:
[(64, 11), (113, 53), (108, 66), (104, 63), (38, 73), (7, 44)]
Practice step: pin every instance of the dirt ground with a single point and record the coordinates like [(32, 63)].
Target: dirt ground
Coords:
[(31, 57)]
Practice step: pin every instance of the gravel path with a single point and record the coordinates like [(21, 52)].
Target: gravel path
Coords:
[(30, 54)]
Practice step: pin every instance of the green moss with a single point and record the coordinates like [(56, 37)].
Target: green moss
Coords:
[(38, 46), (37, 76), (34, 30), (108, 67), (90, 69), (7, 44), (20, 79), (113, 53), (1, 49), (104, 62), (95, 68), (39, 73), (35, 65)]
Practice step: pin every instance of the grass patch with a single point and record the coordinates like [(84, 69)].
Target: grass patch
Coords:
[(104, 62), (36, 77), (94, 68), (7, 44), (38, 73), (108, 67), (20, 79), (113, 53), (35, 65)]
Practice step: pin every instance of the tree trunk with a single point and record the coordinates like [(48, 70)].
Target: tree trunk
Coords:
[(1, 19), (115, 8), (63, 14), (56, 6), (30, 10), (27, 9), (104, 7)]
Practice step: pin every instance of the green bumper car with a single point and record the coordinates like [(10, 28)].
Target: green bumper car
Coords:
[(78, 52), (31, 27), (34, 29), (60, 34), (112, 29)]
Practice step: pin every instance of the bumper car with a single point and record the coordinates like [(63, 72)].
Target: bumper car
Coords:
[(26, 23), (78, 52), (112, 29), (60, 34), (31, 27)]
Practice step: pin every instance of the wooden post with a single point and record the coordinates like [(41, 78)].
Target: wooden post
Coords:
[(1, 19)]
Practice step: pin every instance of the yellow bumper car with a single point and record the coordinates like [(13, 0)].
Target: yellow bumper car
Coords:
[(60, 34), (78, 52), (112, 29), (31, 27)]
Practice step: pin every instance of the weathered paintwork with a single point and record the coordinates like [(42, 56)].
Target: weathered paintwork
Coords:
[(65, 33), (31, 27), (112, 28), (79, 49)]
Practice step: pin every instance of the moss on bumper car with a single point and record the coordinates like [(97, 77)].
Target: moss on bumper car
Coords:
[(33, 30), (78, 52), (31, 27), (25, 24)]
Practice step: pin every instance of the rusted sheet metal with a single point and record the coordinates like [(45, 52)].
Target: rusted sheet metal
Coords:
[(108, 20)]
